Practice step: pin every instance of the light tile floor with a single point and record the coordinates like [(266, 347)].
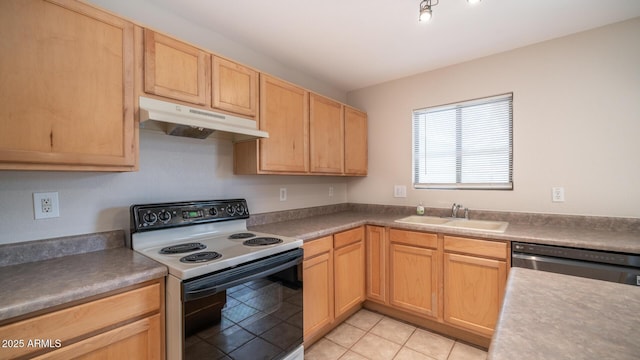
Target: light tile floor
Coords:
[(371, 336)]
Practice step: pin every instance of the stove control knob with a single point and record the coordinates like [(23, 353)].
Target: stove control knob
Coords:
[(240, 209), (150, 218), (164, 216), (230, 210), (213, 211)]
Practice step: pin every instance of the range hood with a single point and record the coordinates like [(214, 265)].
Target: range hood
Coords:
[(181, 120)]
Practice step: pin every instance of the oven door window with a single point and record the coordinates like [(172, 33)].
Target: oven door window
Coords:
[(252, 311)]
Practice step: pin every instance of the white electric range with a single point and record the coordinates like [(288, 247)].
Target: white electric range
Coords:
[(222, 275)]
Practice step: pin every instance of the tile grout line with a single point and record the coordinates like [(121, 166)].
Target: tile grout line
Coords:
[(403, 345)]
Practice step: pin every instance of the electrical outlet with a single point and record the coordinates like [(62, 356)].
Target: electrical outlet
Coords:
[(45, 205), (399, 191), (330, 191), (283, 194), (557, 194)]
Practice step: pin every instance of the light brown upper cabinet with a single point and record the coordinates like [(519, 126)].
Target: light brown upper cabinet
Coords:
[(235, 87), (67, 88), (176, 70), (308, 135), (179, 71), (355, 142), (326, 135), (284, 114)]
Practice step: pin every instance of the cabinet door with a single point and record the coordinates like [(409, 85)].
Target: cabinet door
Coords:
[(235, 87), (326, 135), (473, 291), (355, 142), (413, 279), (317, 276), (175, 70), (284, 114), (138, 340), (67, 87), (349, 274), (376, 259)]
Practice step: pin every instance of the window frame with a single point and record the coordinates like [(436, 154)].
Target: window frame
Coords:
[(458, 107)]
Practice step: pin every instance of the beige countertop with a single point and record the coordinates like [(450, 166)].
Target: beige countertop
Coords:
[(63, 278), (553, 316), (557, 234)]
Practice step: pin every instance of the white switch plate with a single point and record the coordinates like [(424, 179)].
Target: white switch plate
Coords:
[(557, 194), (45, 205), (283, 194), (330, 191), (399, 191)]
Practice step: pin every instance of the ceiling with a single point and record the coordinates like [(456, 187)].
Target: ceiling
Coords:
[(352, 44)]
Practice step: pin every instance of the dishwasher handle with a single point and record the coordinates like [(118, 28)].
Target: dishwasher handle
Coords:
[(591, 270)]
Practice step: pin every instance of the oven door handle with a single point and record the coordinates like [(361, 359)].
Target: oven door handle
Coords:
[(257, 273)]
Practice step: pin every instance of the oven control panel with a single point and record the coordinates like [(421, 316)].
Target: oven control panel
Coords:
[(166, 215)]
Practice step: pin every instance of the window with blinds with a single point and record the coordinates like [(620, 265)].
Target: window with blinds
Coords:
[(467, 145)]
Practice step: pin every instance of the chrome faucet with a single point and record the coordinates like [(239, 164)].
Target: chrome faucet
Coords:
[(454, 210), (456, 207)]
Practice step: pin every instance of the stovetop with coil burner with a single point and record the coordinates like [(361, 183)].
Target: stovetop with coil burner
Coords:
[(197, 238)]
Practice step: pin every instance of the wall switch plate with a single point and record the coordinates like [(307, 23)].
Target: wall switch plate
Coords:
[(283, 194), (330, 191), (399, 191), (557, 194), (45, 205)]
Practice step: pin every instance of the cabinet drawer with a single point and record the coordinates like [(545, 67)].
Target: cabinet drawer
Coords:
[(348, 237), (77, 321), (318, 246), (492, 249), (414, 238)]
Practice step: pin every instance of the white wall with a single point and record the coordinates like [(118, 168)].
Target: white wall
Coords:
[(171, 169), (576, 124)]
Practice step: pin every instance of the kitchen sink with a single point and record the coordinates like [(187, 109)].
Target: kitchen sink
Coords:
[(481, 225), (425, 220)]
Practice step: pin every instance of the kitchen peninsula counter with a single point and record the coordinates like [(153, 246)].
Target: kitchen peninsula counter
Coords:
[(40, 275), (552, 316)]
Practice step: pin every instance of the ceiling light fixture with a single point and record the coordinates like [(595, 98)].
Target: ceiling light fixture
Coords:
[(425, 8)]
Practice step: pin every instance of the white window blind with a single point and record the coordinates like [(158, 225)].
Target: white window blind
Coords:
[(466, 145)]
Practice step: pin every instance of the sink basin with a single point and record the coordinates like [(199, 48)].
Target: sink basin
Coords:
[(481, 225), (494, 226), (425, 220)]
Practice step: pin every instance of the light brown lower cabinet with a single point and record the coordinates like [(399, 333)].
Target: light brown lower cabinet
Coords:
[(348, 261), (475, 274), (317, 294), (334, 281), (413, 272), (126, 325), (376, 263), (451, 284)]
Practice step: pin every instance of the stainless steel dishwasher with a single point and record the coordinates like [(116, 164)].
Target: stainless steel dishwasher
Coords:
[(594, 264)]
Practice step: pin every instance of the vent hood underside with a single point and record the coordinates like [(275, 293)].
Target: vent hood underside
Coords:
[(181, 120)]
